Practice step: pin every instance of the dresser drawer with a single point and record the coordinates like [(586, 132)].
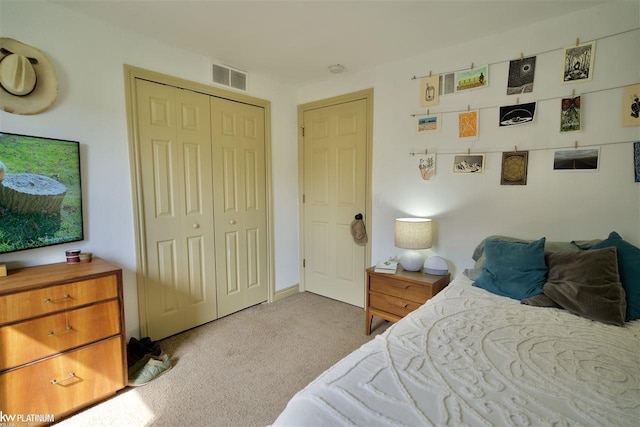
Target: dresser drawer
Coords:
[(64, 382), (390, 304), (24, 305), (45, 336), (399, 288)]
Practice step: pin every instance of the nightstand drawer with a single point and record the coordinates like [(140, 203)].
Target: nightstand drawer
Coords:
[(45, 336), (390, 304), (400, 288)]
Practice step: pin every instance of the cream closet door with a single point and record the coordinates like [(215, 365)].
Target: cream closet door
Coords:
[(175, 151), (240, 204), (335, 160)]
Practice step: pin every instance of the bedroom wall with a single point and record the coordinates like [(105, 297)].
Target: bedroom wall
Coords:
[(88, 57), (467, 208)]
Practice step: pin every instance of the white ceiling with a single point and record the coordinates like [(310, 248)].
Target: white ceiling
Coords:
[(295, 41)]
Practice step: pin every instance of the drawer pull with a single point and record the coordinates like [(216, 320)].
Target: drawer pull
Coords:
[(396, 303), (399, 285), (49, 300), (66, 331), (71, 375)]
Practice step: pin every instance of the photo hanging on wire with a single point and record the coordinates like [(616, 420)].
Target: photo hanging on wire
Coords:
[(474, 78), (427, 166), (429, 91), (631, 105), (468, 163), (573, 160), (570, 115), (431, 123), (521, 75), (515, 115), (468, 123), (636, 160), (578, 63)]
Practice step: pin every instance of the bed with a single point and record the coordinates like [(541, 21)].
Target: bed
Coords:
[(470, 356)]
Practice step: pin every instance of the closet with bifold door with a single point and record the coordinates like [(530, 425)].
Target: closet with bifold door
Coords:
[(201, 185)]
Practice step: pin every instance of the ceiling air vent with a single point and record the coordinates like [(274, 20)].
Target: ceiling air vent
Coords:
[(230, 77)]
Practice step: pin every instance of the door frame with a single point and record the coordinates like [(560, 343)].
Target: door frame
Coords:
[(132, 73), (367, 95)]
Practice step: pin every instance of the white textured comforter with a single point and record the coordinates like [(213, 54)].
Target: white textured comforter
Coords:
[(468, 357)]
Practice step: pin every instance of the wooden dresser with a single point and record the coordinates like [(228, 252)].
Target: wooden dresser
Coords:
[(393, 296), (62, 339)]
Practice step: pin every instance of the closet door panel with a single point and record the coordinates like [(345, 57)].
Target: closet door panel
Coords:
[(240, 208)]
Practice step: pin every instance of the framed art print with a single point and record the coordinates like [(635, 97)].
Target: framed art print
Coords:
[(514, 168), (578, 63)]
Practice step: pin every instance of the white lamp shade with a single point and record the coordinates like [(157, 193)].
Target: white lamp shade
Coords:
[(413, 233)]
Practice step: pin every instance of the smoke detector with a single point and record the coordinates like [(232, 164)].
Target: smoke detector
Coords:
[(336, 68)]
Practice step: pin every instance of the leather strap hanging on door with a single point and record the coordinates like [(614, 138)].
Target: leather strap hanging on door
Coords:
[(359, 231)]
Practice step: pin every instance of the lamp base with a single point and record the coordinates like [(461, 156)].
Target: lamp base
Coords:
[(412, 261)]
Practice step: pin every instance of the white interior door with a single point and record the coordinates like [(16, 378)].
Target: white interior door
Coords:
[(175, 151), (240, 204), (335, 190)]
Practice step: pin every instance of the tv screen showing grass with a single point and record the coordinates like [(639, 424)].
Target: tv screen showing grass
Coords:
[(40, 192)]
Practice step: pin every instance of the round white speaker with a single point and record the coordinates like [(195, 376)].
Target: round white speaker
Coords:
[(436, 265)]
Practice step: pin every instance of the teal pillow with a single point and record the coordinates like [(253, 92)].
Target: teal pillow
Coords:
[(629, 270), (513, 269)]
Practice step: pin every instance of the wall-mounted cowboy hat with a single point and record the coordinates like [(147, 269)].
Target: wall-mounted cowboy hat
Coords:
[(28, 83)]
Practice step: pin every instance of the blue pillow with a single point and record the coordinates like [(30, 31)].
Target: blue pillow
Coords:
[(513, 269), (629, 270)]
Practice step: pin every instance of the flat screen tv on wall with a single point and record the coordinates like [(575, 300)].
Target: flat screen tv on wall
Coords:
[(40, 193)]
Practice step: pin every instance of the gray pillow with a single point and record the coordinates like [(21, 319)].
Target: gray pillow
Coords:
[(540, 300), (479, 257), (587, 284)]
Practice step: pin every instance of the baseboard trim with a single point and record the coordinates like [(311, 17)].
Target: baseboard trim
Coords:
[(286, 292)]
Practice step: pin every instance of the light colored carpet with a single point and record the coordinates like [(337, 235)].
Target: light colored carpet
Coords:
[(240, 370)]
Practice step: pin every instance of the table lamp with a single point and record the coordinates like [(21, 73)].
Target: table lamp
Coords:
[(412, 234)]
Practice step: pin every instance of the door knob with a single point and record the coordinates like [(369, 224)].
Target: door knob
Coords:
[(196, 225), (232, 222)]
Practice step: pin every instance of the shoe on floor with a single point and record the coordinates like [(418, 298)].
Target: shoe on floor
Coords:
[(147, 369), (137, 349)]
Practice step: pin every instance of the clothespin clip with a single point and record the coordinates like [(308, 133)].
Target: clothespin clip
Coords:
[(413, 78), (573, 93), (577, 41), (468, 151), (468, 108), (521, 56), (429, 73), (575, 145), (517, 101), (427, 111), (426, 151), (516, 148), (472, 65)]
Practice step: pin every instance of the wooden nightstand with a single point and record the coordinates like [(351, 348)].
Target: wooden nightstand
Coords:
[(393, 296)]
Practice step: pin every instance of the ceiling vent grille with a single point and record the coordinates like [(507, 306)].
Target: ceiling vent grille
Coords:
[(229, 77)]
